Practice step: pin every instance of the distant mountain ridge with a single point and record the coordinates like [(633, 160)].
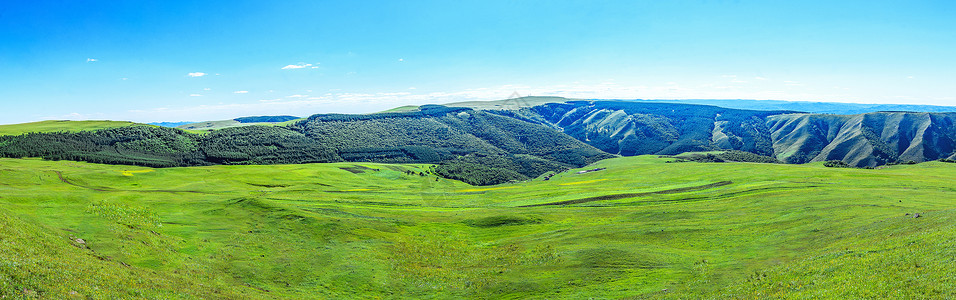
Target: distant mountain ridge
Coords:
[(864, 140), (516, 139), (811, 107), (477, 147), (237, 122), (650, 127)]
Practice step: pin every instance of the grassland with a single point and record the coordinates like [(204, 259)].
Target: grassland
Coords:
[(642, 228), (62, 125)]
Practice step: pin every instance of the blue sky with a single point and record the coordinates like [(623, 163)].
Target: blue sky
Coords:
[(206, 60)]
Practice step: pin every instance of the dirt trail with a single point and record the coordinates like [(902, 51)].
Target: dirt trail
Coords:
[(631, 195)]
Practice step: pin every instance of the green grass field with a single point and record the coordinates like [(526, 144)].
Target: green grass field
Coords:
[(57, 125), (642, 228)]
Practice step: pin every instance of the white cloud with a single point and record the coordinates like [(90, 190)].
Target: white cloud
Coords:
[(197, 74), (299, 66), (240, 92), (401, 59), (195, 95), (760, 78), (361, 101), (91, 60), (207, 89)]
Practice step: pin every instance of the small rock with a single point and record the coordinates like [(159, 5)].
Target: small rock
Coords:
[(80, 241), (916, 215)]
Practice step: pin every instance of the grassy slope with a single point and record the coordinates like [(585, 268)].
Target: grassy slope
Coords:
[(57, 125), (320, 231), (511, 104), (215, 125)]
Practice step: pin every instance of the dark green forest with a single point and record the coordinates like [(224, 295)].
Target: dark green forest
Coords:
[(634, 128), (473, 146), (485, 147)]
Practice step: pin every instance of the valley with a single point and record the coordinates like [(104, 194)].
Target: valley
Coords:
[(494, 142), (477, 150), (644, 227)]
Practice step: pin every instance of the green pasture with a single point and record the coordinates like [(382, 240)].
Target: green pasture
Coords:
[(644, 227), (62, 125)]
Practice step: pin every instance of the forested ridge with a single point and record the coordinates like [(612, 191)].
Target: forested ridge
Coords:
[(500, 145), (635, 128), (472, 146)]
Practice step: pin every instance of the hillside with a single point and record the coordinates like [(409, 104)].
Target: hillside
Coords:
[(864, 140), (237, 122), (469, 144), (810, 107), (477, 147), (629, 128), (502, 141), (61, 125), (636, 128), (640, 227)]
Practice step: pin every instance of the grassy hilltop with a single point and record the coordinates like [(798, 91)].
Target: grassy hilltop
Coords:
[(487, 143), (62, 126), (641, 228)]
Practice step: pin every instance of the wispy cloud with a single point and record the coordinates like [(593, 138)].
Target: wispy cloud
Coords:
[(240, 92), (300, 66), (197, 74), (91, 60), (195, 95), (339, 101)]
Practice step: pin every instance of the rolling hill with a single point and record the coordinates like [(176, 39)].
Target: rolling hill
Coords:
[(474, 146), (869, 140), (635, 128), (385, 205), (810, 107), (237, 122), (61, 126), (508, 140), (640, 227)]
